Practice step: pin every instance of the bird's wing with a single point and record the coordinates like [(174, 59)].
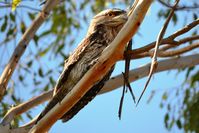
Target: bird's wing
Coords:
[(60, 93), (91, 45), (86, 98), (71, 61)]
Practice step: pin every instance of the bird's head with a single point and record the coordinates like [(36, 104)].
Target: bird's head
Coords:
[(111, 18)]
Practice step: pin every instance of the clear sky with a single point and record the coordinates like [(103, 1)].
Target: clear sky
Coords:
[(101, 114)]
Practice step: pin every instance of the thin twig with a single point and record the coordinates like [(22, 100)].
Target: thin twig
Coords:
[(23, 43), (127, 67), (126, 84), (168, 40), (158, 42), (188, 39), (179, 7), (21, 108), (142, 71), (121, 100), (186, 28), (170, 53), (178, 51), (181, 41)]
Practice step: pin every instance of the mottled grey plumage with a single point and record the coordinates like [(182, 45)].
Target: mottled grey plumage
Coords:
[(103, 29)]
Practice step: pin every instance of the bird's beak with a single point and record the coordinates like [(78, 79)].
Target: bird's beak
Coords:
[(118, 20)]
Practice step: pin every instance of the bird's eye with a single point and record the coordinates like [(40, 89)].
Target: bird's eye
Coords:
[(110, 14)]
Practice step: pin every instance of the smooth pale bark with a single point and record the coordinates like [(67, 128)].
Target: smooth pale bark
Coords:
[(143, 71)]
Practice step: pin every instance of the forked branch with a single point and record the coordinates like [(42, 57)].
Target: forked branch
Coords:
[(158, 42)]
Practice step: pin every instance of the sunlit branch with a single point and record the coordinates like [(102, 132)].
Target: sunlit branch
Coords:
[(108, 57), (169, 53), (170, 39), (21, 108)]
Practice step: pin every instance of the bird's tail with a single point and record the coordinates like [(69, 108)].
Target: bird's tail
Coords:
[(80, 104), (86, 98)]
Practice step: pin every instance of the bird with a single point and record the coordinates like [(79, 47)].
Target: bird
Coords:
[(102, 30)]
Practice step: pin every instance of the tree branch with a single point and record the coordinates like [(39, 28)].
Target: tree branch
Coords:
[(117, 81), (178, 51), (179, 7), (21, 108), (169, 42), (181, 41), (167, 53), (96, 73), (135, 74), (143, 71), (23, 43), (46, 96), (158, 42), (186, 28), (170, 39)]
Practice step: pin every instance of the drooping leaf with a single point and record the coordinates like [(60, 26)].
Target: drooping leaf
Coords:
[(4, 25), (166, 119), (12, 17), (41, 72), (178, 122)]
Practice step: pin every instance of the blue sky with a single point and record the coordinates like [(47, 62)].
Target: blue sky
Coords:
[(101, 114)]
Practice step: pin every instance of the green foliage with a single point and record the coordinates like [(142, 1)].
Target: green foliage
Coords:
[(182, 104)]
